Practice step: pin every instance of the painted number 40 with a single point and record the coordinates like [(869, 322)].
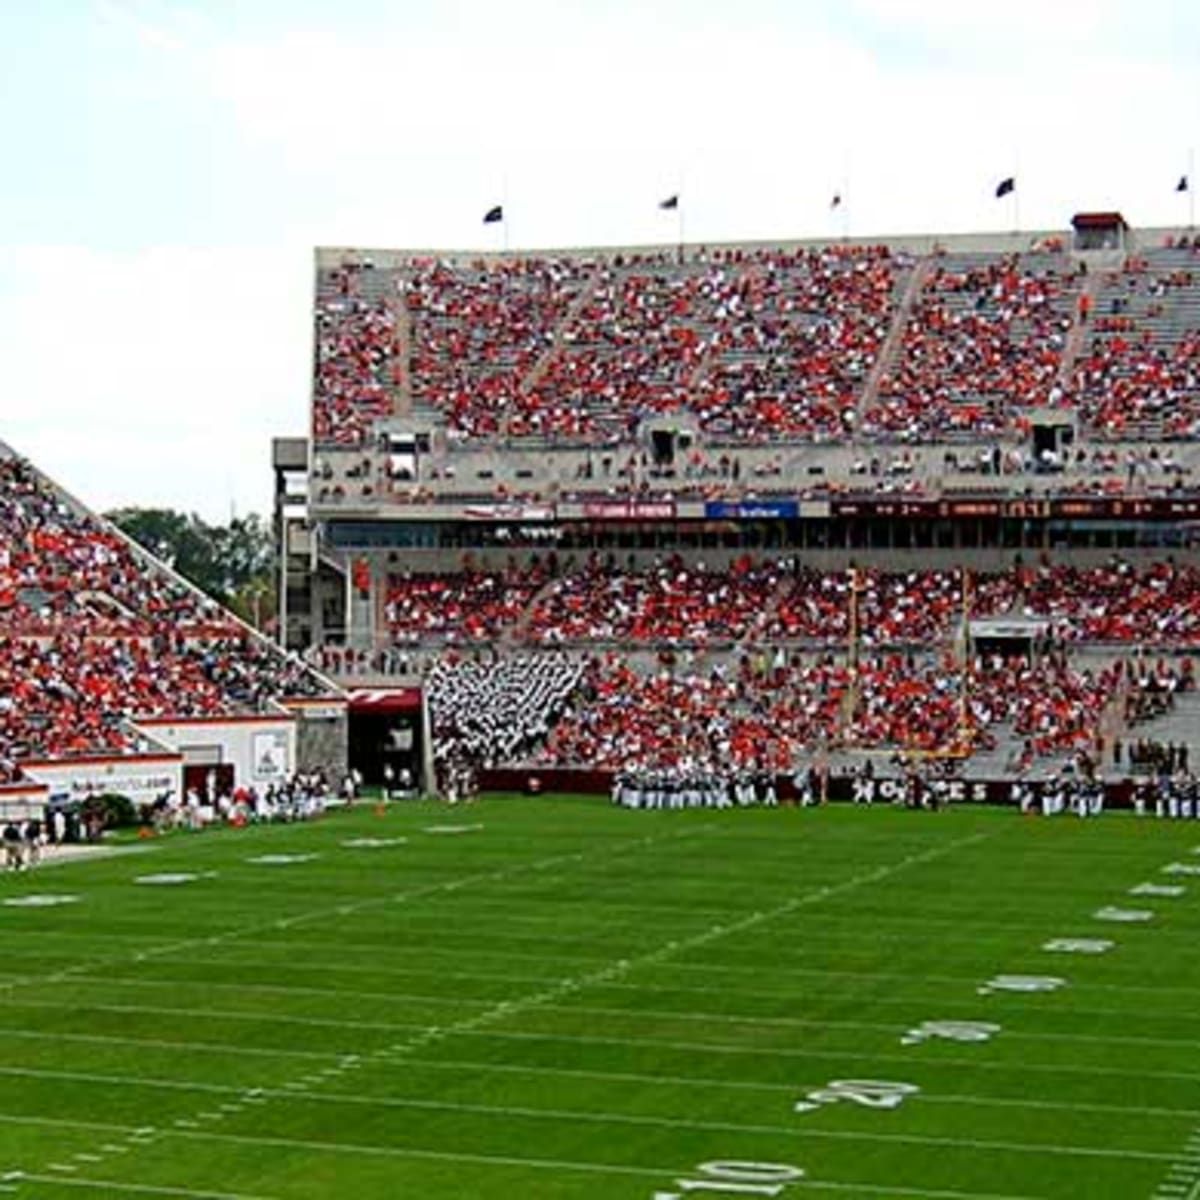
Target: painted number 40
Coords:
[(870, 1093), (737, 1177)]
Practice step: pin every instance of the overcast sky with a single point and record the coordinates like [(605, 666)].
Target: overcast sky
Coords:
[(169, 167)]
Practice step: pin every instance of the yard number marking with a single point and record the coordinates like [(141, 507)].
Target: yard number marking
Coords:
[(1157, 889), (1126, 915), (737, 1175), (1079, 945), (870, 1093), (953, 1031), (1021, 983)]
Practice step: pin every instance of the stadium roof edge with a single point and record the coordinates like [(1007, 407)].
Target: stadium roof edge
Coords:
[(996, 240)]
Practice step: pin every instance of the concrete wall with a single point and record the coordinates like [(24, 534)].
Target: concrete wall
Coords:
[(143, 778), (261, 749)]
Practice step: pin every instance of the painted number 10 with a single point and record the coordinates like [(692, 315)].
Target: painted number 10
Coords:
[(738, 1177)]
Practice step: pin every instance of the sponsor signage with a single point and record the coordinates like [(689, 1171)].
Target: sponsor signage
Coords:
[(752, 510), (629, 510), (509, 512)]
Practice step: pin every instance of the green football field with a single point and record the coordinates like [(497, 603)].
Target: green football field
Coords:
[(553, 998)]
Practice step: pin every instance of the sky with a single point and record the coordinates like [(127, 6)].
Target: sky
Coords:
[(170, 166)]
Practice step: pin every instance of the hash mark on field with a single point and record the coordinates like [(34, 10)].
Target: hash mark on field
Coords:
[(1183, 1178), (146, 1135)]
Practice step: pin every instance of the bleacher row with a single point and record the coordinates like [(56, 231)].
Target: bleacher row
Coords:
[(94, 634), (758, 344), (772, 601)]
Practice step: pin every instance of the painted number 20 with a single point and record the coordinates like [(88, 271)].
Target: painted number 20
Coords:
[(870, 1093)]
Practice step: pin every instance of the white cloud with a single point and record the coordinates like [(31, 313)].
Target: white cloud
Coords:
[(149, 25), (157, 377)]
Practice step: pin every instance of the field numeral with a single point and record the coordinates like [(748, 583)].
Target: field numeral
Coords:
[(1127, 916), (1158, 889), (738, 1176), (1021, 983), (870, 1093), (1079, 945), (952, 1031)]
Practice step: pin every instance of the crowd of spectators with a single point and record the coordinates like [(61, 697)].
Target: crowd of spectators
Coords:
[(674, 601), (357, 360), (981, 340), (754, 343), (471, 605), (773, 711), (92, 636), (671, 601), (479, 330), (1142, 363), (496, 710), (794, 342)]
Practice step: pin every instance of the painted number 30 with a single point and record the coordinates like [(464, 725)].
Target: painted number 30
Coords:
[(870, 1093), (952, 1031)]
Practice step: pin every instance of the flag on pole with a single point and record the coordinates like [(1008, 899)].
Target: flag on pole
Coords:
[(669, 203), (836, 202), (1005, 186), (493, 215), (1182, 185)]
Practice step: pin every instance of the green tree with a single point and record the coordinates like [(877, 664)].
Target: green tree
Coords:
[(232, 563)]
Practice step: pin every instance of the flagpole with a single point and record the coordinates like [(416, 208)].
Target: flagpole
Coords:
[(1191, 190), (1016, 194), (679, 211), (845, 204), (504, 212)]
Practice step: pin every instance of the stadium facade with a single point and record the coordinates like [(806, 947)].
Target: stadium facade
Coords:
[(945, 449)]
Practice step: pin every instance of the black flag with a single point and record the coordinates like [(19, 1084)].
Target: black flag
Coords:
[(1005, 186), (1182, 185), (669, 202), (493, 215)]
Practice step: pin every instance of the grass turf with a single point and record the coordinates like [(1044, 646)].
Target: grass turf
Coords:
[(551, 998)]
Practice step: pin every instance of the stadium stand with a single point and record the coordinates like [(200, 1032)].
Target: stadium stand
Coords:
[(754, 503), (94, 634)]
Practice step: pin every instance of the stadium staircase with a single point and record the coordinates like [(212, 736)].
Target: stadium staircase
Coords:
[(519, 633), (1077, 335), (888, 357), (536, 373), (1181, 724)]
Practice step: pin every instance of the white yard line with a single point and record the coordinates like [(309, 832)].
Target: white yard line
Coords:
[(875, 1189), (301, 1091), (797, 1132), (333, 993), (102, 1039), (782, 1052), (625, 846), (1183, 1179), (878, 1026), (141, 1189)]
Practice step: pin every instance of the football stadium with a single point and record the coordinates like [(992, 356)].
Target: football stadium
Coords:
[(730, 730)]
